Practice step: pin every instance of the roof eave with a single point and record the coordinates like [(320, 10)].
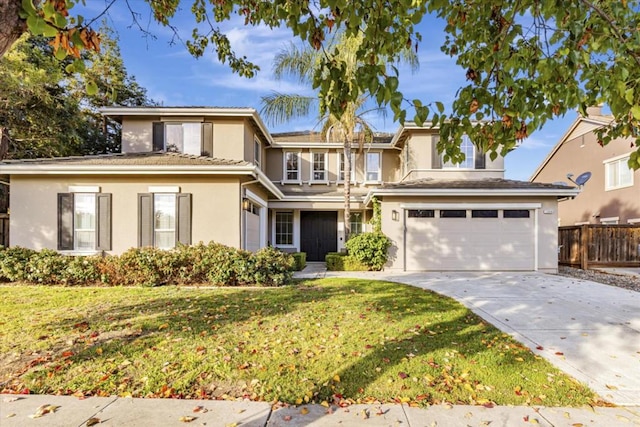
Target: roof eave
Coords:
[(472, 192)]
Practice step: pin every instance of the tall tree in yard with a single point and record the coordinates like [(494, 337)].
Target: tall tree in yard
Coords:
[(526, 62), (351, 126)]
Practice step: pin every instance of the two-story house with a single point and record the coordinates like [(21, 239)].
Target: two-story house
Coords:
[(189, 174), (612, 194)]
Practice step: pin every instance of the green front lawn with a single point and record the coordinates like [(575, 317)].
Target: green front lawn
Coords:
[(319, 341)]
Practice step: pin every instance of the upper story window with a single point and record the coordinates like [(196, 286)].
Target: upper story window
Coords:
[(291, 166), (372, 167), (257, 150), (617, 173), (468, 149), (341, 166), (192, 138), (319, 167)]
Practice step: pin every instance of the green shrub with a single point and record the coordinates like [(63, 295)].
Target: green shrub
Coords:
[(370, 249), (272, 267), (300, 261), (213, 263), (13, 263), (337, 261)]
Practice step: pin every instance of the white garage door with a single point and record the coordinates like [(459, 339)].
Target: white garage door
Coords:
[(470, 239), (252, 228)]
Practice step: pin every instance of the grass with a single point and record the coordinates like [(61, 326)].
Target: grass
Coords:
[(318, 341)]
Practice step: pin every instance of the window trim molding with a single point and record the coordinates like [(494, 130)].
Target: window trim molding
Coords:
[(312, 170), (257, 149), (84, 189), (354, 157), (293, 229), (610, 220), (298, 154), (607, 164), (366, 167)]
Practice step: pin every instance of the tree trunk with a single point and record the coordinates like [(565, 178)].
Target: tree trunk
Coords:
[(347, 189), (11, 25)]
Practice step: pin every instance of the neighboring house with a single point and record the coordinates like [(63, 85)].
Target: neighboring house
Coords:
[(189, 174), (612, 195)]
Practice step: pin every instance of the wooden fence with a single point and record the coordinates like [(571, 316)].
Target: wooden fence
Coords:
[(597, 245), (4, 229)]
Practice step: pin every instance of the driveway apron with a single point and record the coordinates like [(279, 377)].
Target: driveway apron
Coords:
[(589, 330)]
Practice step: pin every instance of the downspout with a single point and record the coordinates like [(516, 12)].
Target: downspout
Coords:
[(404, 240), (243, 217)]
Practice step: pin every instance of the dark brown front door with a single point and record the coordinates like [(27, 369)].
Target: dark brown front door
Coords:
[(318, 234)]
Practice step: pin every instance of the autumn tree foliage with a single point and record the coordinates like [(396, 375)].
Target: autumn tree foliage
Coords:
[(526, 62)]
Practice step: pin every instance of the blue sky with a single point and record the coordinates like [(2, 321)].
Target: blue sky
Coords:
[(174, 78)]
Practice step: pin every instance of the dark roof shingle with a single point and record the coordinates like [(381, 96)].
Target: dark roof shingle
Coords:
[(131, 159)]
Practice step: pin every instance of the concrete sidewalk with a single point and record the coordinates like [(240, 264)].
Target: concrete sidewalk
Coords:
[(589, 330), (126, 412)]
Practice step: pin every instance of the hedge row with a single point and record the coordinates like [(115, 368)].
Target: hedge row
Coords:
[(213, 264), (337, 261)]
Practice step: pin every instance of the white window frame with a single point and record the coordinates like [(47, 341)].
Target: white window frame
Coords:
[(623, 166), (186, 126), (325, 171), (175, 220), (469, 162), (285, 170), (378, 172), (275, 229), (257, 152), (341, 169), (76, 229), (582, 223), (362, 222), (633, 221)]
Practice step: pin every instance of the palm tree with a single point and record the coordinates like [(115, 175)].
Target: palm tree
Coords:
[(303, 65)]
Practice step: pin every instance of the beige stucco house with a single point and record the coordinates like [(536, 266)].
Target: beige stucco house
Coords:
[(612, 194), (189, 174)]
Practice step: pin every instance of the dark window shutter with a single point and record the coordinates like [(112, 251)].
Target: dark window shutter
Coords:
[(65, 221), (436, 162), (207, 139), (183, 206), (158, 136), (145, 219), (481, 160), (103, 232)]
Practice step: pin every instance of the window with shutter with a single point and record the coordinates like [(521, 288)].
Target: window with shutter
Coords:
[(84, 221), (164, 219)]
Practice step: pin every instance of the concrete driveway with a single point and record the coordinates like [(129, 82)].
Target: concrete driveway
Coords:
[(589, 330)]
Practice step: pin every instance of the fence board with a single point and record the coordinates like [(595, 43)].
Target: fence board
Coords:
[(599, 245)]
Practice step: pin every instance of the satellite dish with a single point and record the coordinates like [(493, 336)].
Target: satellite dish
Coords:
[(583, 178)]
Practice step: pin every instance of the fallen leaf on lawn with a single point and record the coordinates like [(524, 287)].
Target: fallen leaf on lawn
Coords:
[(67, 353), (611, 387), (559, 353), (324, 403), (577, 425), (534, 421), (163, 326), (402, 375), (186, 419), (43, 410), (200, 409), (287, 418), (231, 425), (92, 421), (567, 415), (336, 378), (519, 359), (364, 414), (11, 415), (304, 411)]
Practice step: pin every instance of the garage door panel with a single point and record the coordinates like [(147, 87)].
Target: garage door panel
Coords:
[(470, 244)]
